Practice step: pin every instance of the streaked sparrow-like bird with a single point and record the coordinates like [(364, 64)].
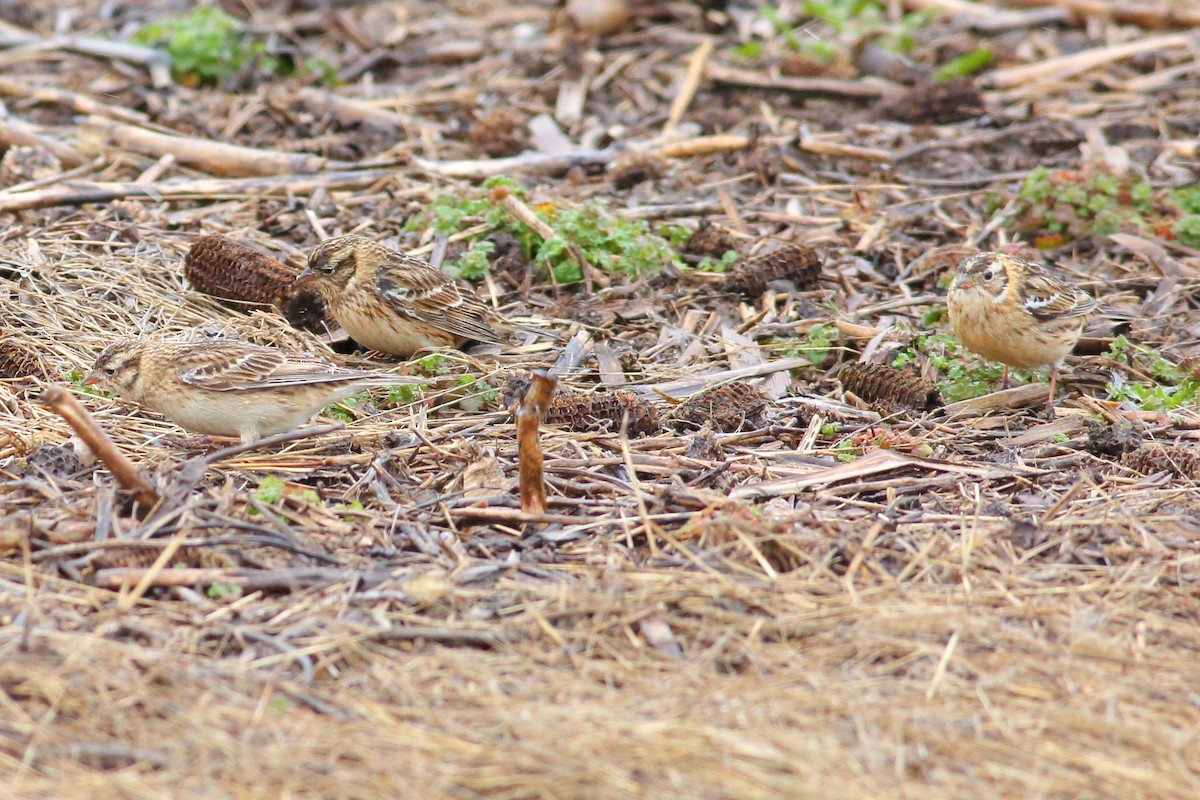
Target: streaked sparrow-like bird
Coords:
[(395, 303), (227, 387), (1016, 312)]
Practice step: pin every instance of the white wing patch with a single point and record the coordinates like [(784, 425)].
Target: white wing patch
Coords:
[(1034, 302)]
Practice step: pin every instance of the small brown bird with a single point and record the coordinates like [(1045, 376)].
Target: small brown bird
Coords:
[(227, 388), (1014, 311), (394, 303)]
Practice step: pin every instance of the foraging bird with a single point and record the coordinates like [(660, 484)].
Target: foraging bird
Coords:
[(1016, 312), (226, 387), (395, 303)]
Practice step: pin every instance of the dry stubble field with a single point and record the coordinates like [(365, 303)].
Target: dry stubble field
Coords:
[(834, 584)]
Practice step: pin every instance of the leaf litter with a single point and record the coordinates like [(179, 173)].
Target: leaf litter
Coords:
[(772, 560)]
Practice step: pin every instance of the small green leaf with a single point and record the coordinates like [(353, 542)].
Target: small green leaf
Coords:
[(967, 64)]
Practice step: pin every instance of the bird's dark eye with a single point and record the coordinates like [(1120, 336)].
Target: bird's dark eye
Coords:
[(325, 264), (110, 370), (987, 276)]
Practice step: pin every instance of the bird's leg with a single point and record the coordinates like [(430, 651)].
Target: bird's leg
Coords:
[(1004, 378), (1053, 385)]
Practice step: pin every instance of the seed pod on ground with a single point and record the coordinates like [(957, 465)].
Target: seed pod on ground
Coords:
[(796, 263), (881, 383), (603, 411), (727, 408), (1174, 459), (19, 359), (231, 271)]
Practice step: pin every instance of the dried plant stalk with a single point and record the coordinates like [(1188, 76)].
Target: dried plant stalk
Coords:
[(530, 412), (128, 476)]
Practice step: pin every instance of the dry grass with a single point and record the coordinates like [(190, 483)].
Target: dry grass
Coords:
[(759, 604)]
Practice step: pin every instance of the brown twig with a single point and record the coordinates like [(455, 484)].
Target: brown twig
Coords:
[(691, 81), (1075, 63), (217, 158), (250, 579), (14, 132), (530, 412), (128, 476), (861, 90), (79, 103), (157, 63), (347, 111), (76, 193), (1143, 13)]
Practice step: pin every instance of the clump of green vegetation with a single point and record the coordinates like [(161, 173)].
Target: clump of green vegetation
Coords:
[(1066, 205), (344, 409), (269, 491), (607, 242), (963, 375), (1173, 386), (205, 45), (727, 262), (223, 591), (208, 45), (1186, 229), (75, 377), (848, 21), (818, 344)]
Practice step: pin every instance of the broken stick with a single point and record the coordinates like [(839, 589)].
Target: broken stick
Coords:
[(529, 413), (128, 476)]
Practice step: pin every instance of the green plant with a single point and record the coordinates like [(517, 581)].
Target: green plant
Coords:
[(821, 340), (962, 374), (76, 379), (608, 242), (473, 263), (846, 21), (269, 490), (222, 591), (817, 346), (1187, 227), (344, 410), (727, 262), (434, 365), (966, 64), (1173, 386), (404, 394), (205, 45), (1091, 202)]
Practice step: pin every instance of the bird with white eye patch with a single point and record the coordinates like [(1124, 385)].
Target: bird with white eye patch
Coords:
[(1016, 312)]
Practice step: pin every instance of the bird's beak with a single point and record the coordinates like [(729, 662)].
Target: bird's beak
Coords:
[(963, 282), (92, 379), (304, 278)]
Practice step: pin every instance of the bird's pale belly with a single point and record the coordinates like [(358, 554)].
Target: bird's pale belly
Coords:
[(990, 334), (395, 335)]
